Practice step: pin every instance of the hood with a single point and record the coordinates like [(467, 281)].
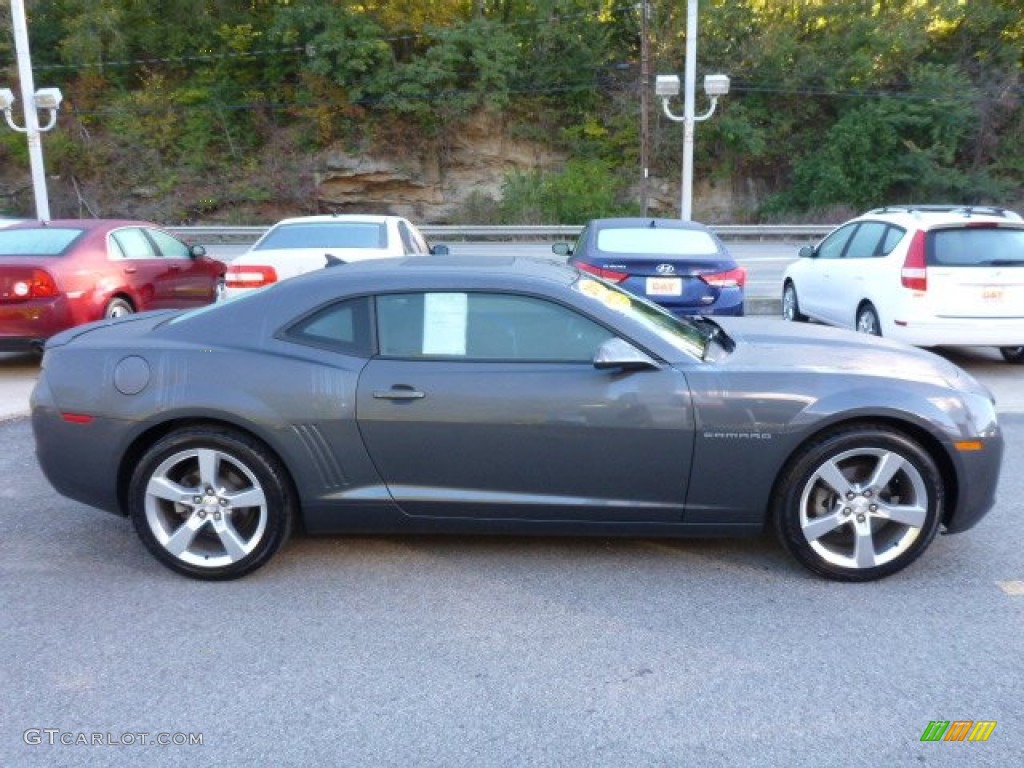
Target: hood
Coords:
[(770, 344)]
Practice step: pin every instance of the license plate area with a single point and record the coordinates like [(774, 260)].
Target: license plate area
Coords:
[(664, 286)]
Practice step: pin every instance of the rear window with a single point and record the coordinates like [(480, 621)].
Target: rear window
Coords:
[(37, 242), (977, 247), (327, 234), (660, 242)]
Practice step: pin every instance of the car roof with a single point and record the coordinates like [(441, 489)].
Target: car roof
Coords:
[(339, 217), (924, 216), (639, 222), (85, 224)]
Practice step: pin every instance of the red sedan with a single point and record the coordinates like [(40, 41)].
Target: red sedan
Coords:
[(58, 274)]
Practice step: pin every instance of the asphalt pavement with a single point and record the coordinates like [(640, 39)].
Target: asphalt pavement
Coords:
[(499, 652)]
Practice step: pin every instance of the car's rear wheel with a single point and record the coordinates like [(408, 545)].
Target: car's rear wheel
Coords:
[(1012, 354), (867, 321), (790, 305), (211, 503), (118, 307), (859, 503)]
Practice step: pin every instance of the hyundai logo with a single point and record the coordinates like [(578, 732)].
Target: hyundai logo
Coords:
[(665, 269)]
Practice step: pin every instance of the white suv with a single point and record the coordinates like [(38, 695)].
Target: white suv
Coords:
[(927, 275)]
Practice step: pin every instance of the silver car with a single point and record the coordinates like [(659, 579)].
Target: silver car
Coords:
[(507, 396)]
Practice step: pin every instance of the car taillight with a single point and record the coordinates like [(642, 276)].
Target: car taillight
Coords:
[(35, 284), (914, 274), (733, 278), (248, 276), (610, 275)]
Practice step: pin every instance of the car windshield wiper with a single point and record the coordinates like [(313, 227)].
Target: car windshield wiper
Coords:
[(1002, 263)]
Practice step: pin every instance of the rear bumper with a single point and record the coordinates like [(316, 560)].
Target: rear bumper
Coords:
[(958, 331), (25, 325)]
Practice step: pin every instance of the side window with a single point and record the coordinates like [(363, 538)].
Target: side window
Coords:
[(485, 326), (133, 244), (169, 247), (866, 241), (832, 246), (893, 235), (343, 327)]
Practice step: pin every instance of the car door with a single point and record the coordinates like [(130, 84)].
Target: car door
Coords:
[(193, 281), (816, 289), (151, 279), (854, 277), (487, 405)]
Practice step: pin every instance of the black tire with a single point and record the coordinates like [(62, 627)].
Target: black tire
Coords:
[(1012, 354), (791, 305), (118, 307), (867, 321), (847, 528), (185, 500)]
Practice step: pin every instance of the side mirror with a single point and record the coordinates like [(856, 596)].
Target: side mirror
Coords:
[(440, 250), (615, 353), (196, 251), (562, 249), (807, 252)]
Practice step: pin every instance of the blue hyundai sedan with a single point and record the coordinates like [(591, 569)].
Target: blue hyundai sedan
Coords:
[(681, 265)]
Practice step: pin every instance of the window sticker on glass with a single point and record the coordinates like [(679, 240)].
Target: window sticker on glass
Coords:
[(602, 293), (444, 323)]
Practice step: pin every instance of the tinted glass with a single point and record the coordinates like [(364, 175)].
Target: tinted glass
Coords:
[(344, 327), (37, 242), (327, 234), (681, 334), (977, 247), (657, 241), (832, 246), (482, 326), (133, 244), (893, 235), (169, 246), (866, 241)]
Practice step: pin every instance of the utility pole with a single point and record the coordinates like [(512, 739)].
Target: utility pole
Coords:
[(645, 124)]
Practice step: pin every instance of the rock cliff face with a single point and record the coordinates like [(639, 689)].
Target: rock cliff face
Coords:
[(430, 186)]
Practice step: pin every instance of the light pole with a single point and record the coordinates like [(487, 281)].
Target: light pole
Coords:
[(45, 98), (667, 86)]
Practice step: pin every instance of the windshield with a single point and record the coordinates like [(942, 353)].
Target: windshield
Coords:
[(657, 242), (42, 241), (684, 336), (325, 234)]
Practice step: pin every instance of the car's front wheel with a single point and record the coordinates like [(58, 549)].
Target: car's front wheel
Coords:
[(791, 305), (211, 503), (1012, 354), (867, 321), (859, 503)]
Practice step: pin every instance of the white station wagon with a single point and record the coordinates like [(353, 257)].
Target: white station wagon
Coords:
[(926, 275)]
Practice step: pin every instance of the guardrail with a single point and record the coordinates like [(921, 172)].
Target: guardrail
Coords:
[(551, 233)]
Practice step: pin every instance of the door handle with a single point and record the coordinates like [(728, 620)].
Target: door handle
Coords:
[(130, 270), (398, 394)]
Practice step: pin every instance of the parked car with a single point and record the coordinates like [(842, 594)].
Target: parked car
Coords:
[(506, 396), (681, 265), (305, 243), (926, 275), (59, 274)]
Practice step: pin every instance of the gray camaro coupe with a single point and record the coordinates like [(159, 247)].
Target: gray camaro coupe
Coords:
[(506, 396)]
